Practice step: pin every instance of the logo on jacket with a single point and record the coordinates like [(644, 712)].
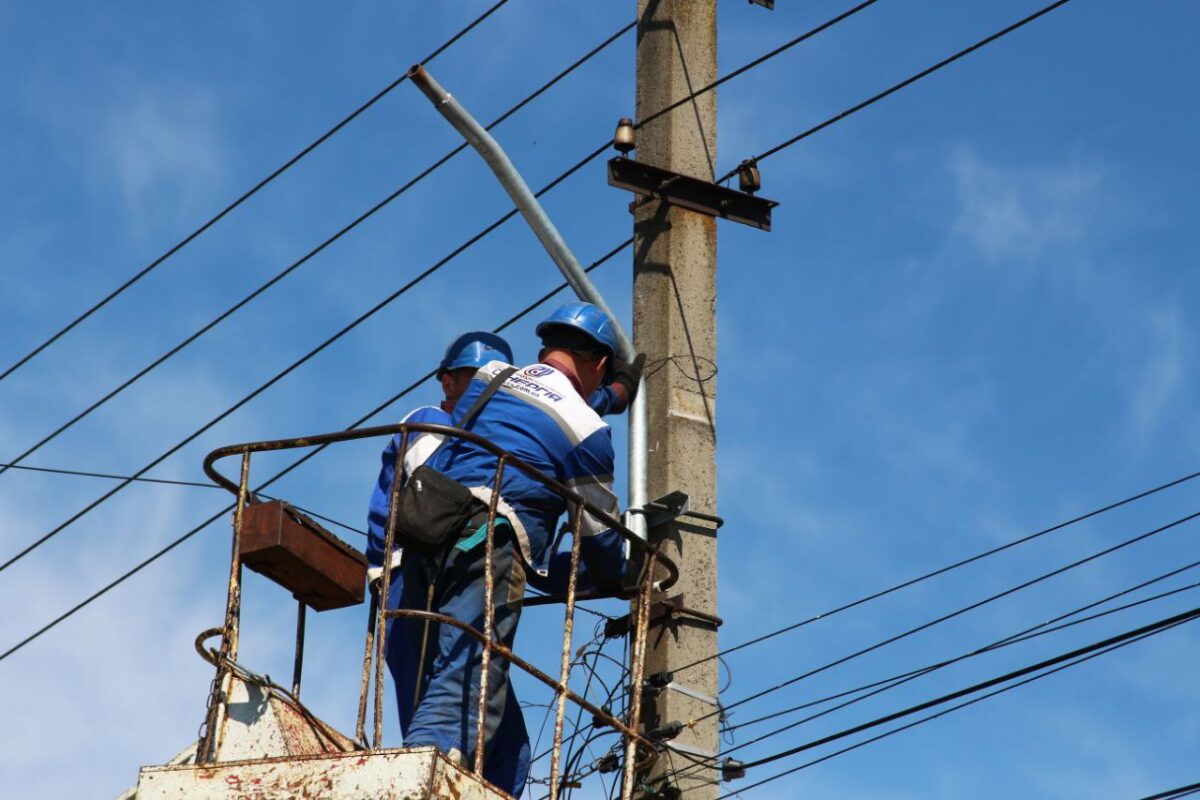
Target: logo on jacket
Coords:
[(538, 371)]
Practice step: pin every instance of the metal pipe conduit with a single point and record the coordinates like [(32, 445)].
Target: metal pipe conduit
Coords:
[(546, 232)]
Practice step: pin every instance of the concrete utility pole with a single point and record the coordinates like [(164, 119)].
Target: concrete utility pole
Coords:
[(674, 324)]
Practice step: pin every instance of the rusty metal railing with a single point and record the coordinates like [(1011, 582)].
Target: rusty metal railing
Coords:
[(653, 563)]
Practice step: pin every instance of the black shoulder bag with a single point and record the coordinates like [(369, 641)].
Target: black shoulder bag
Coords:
[(434, 509)]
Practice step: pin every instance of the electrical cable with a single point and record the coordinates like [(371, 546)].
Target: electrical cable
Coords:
[(579, 165), (954, 708), (897, 87), (378, 409), (322, 246), (142, 565), (195, 484), (1178, 619), (248, 194), (370, 212), (897, 680), (1020, 636), (894, 681), (293, 366), (1172, 794), (948, 568), (579, 712), (991, 598)]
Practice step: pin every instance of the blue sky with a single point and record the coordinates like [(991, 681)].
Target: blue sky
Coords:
[(970, 322)]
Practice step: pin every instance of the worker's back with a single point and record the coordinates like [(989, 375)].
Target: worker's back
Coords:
[(539, 417)]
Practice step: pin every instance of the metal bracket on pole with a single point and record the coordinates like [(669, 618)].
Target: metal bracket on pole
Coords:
[(685, 191), (667, 610), (675, 686), (667, 508), (663, 510)]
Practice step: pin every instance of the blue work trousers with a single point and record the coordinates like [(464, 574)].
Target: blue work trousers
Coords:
[(446, 707)]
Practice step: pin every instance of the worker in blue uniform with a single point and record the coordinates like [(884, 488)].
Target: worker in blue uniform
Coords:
[(507, 766), (465, 355), (541, 414)]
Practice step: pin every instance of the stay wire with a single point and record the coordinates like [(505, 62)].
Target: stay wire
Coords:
[(317, 250), (958, 612), (169, 482), (579, 165), (948, 568), (378, 409), (970, 702), (246, 195), (897, 87)]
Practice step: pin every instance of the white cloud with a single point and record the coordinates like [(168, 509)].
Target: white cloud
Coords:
[(163, 151), (1162, 373), (1029, 211)]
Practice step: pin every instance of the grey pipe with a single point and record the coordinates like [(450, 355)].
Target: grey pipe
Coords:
[(561, 254)]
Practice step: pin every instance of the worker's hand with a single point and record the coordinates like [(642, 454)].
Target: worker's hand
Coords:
[(628, 374)]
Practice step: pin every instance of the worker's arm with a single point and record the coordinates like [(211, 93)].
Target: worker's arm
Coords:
[(420, 447), (616, 397), (602, 551), (377, 510)]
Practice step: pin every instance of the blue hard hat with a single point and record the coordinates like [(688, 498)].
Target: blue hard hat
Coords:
[(474, 349), (586, 318)]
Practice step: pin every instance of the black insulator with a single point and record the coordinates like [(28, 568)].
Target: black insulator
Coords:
[(749, 178), (732, 769)]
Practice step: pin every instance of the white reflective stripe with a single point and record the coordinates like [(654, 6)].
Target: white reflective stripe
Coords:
[(374, 573), (551, 392), (484, 495), (599, 494), (420, 450)]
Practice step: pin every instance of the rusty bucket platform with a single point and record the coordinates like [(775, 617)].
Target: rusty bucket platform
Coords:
[(259, 742), (418, 773)]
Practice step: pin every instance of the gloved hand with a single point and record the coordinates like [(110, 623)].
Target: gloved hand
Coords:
[(628, 374)]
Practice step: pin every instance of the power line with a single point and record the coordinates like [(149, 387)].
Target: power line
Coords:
[(895, 681), (85, 474), (312, 253), (167, 482), (951, 615), (962, 705), (1025, 635), (749, 65), (948, 568), (159, 554), (886, 684), (1172, 794), (897, 87), (246, 195), (306, 357), (1153, 627), (578, 165)]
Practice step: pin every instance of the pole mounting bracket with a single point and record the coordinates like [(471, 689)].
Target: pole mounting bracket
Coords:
[(665, 509), (691, 193)]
